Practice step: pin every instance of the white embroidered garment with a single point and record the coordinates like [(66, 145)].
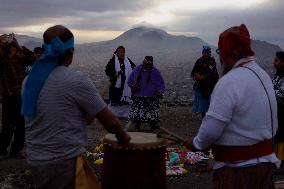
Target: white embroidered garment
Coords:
[(126, 96)]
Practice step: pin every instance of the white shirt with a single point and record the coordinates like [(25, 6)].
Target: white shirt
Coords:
[(239, 113)]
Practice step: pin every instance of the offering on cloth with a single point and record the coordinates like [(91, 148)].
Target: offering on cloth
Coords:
[(178, 160)]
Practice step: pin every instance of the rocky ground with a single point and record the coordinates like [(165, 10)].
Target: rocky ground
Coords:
[(14, 173)]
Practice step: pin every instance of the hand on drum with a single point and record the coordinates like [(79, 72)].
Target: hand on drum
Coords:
[(112, 124), (188, 143), (122, 137)]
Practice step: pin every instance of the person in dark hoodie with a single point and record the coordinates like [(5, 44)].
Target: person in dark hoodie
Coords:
[(118, 70), (205, 76), (13, 61)]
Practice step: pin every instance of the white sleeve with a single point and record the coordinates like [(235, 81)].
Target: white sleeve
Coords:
[(210, 130)]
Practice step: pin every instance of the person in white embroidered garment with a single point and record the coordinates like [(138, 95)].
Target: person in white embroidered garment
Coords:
[(278, 82), (118, 70), (242, 118)]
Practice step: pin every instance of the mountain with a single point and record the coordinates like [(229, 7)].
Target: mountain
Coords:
[(143, 41), (265, 54), (29, 42), (173, 55)]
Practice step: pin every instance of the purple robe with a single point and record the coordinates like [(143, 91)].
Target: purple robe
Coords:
[(151, 82)]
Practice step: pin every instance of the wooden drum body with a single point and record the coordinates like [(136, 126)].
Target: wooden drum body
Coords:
[(140, 165)]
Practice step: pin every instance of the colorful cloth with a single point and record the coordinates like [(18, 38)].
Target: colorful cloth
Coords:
[(145, 109), (151, 82)]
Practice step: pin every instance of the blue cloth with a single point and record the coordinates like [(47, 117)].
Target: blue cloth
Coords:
[(200, 104), (206, 47), (174, 158), (40, 72)]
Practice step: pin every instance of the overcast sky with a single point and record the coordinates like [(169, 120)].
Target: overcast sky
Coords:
[(96, 20)]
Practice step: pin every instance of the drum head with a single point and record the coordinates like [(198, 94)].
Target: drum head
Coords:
[(138, 140)]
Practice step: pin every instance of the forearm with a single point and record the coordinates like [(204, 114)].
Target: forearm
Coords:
[(210, 130), (110, 122), (113, 125)]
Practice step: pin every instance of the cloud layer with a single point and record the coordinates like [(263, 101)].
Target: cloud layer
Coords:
[(95, 20)]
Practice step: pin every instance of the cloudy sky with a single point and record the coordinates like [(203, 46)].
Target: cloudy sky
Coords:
[(96, 20)]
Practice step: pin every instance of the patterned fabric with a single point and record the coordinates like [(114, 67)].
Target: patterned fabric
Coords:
[(14, 71), (200, 104), (278, 83), (145, 109)]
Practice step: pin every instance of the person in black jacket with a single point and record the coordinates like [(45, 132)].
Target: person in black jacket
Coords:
[(205, 75), (118, 70)]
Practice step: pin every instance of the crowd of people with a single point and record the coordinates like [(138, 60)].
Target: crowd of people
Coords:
[(45, 106)]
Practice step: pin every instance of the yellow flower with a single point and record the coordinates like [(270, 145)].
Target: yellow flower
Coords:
[(99, 161)]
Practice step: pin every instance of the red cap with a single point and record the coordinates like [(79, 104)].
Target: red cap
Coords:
[(237, 37)]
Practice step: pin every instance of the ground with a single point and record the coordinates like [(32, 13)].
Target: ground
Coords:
[(14, 173)]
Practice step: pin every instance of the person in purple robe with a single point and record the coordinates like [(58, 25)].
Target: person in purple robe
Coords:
[(147, 87)]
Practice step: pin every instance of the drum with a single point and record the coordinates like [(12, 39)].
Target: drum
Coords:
[(140, 165)]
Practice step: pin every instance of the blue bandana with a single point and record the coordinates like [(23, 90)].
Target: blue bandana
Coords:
[(206, 48), (40, 72)]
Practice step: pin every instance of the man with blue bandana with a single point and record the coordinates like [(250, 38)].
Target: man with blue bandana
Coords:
[(56, 101)]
